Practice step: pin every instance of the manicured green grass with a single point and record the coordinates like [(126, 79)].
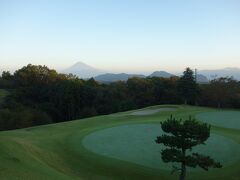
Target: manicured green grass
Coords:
[(59, 151), (227, 119), (142, 149)]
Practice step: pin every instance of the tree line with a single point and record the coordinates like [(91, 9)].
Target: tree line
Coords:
[(39, 95)]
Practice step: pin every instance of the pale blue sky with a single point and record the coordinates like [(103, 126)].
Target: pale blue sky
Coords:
[(122, 35)]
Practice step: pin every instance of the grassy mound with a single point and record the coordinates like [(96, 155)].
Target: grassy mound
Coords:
[(59, 151)]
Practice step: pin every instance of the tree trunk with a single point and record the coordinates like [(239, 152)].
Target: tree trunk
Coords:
[(219, 105), (196, 103), (185, 102), (183, 167), (183, 172)]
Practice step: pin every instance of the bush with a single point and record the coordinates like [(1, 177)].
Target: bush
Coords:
[(21, 118)]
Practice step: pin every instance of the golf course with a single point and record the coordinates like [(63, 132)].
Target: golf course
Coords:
[(117, 146)]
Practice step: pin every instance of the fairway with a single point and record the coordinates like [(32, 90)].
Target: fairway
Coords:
[(118, 146), (227, 119)]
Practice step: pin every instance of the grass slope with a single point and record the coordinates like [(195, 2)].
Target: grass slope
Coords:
[(56, 151)]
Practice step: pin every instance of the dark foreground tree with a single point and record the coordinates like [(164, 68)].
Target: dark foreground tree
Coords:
[(187, 87), (182, 137)]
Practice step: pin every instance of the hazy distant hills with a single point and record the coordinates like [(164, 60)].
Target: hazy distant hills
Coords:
[(202, 79), (163, 74), (85, 71), (211, 74), (110, 77)]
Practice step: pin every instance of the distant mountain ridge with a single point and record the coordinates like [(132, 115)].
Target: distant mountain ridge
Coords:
[(111, 77), (85, 71), (211, 74), (202, 79), (163, 74)]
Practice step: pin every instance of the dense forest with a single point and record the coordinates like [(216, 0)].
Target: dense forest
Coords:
[(38, 95)]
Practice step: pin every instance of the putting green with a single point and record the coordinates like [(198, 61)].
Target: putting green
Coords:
[(227, 119), (135, 144)]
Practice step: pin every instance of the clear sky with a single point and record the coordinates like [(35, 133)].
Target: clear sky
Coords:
[(123, 35)]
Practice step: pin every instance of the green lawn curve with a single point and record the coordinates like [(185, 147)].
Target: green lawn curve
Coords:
[(57, 151)]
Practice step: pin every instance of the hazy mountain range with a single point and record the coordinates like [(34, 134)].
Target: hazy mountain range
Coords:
[(211, 74), (85, 71), (161, 74), (111, 77)]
